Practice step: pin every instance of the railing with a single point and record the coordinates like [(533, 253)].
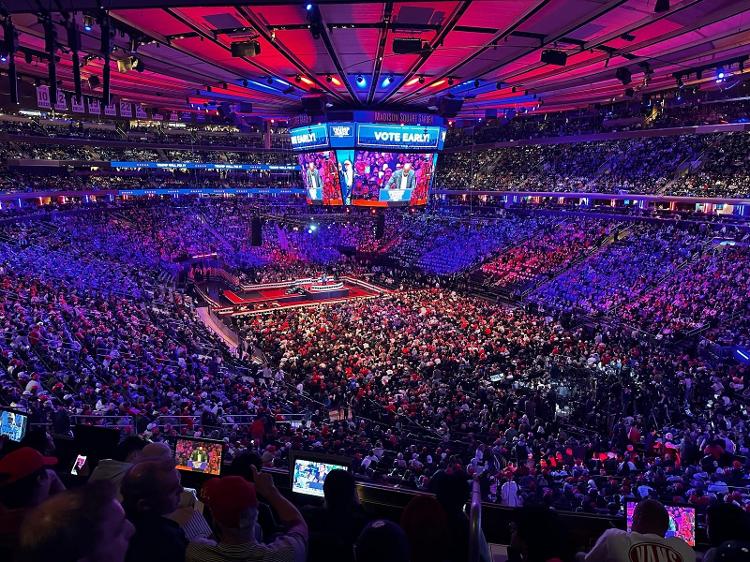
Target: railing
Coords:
[(476, 538)]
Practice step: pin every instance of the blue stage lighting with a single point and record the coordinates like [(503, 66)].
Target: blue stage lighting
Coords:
[(309, 7), (361, 81)]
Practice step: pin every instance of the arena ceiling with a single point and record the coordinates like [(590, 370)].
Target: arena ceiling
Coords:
[(485, 51)]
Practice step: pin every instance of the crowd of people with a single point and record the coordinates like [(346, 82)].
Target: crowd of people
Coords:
[(690, 165), (421, 382)]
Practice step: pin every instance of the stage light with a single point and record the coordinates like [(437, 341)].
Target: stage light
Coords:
[(88, 23), (309, 7), (298, 78), (451, 81), (438, 83), (386, 81), (329, 78), (421, 80), (3, 57), (720, 74), (413, 81), (361, 81)]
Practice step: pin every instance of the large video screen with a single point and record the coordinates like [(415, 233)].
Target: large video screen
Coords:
[(320, 175), (387, 179)]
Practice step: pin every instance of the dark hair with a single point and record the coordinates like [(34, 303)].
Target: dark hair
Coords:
[(339, 489), (67, 527), (727, 521), (451, 489), (127, 447), (20, 493), (541, 531), (242, 463)]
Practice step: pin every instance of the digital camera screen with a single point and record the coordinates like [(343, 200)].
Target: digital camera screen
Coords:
[(13, 425), (681, 521), (308, 476), (198, 455)]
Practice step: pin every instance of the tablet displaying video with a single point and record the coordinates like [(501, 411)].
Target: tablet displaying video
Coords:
[(13, 424), (681, 521), (310, 471), (198, 455)]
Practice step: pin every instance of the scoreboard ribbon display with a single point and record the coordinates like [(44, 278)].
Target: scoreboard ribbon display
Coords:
[(371, 135), (204, 166), (397, 137)]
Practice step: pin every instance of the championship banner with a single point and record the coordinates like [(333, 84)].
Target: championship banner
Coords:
[(125, 109), (77, 104), (95, 108), (157, 117), (42, 97), (61, 104), (110, 110), (140, 112), (173, 116)]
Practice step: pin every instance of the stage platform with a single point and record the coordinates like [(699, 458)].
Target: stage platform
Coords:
[(256, 299)]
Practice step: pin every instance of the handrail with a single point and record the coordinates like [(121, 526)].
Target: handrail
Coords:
[(475, 524)]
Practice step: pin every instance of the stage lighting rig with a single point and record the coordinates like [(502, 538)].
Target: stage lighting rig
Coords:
[(88, 23), (314, 20)]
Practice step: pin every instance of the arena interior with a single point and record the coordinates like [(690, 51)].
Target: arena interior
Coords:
[(403, 281)]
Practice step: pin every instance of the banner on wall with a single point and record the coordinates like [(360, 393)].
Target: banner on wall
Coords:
[(42, 97), (157, 117), (61, 104), (95, 107), (110, 110), (77, 104), (140, 112), (125, 109), (173, 117)]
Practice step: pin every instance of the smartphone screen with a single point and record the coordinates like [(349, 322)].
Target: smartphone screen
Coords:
[(78, 465)]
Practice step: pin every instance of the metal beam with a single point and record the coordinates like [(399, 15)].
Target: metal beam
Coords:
[(437, 40), (387, 15), (491, 44), (286, 53)]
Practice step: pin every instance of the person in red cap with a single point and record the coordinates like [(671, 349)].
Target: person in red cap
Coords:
[(233, 503), (26, 481)]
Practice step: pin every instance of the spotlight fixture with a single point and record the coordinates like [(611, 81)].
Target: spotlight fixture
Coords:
[(269, 81), (624, 75), (88, 23), (451, 81), (421, 80), (298, 78), (360, 79), (3, 57), (309, 7), (329, 78)]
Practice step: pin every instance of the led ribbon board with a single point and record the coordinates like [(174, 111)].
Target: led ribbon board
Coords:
[(312, 136), (397, 137), (205, 166)]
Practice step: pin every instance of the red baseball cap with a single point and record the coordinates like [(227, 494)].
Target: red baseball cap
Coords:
[(21, 463), (228, 498)]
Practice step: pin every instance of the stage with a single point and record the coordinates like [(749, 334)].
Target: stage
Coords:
[(256, 299)]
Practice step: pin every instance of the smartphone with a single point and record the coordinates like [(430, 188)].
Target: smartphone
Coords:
[(78, 465)]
